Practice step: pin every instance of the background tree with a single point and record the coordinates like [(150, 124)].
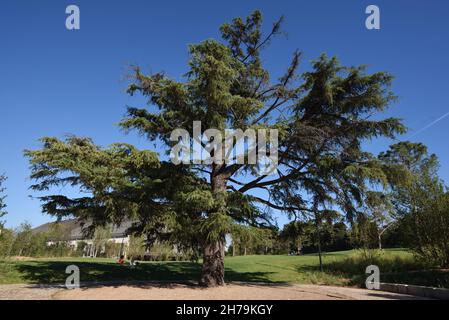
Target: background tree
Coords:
[(297, 232), (417, 169), (380, 211), (6, 242), (6, 236), (59, 232), (55, 241), (23, 240), (433, 229), (2, 202), (322, 118), (100, 238), (137, 246), (81, 249), (161, 251), (266, 240), (421, 201), (246, 238), (335, 236), (323, 220)]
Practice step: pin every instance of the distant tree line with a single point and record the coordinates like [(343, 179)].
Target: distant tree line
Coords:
[(24, 241), (413, 213)]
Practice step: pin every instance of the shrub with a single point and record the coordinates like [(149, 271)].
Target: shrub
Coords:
[(6, 242), (387, 262), (80, 248), (432, 232), (112, 249), (136, 246), (58, 249), (161, 251)]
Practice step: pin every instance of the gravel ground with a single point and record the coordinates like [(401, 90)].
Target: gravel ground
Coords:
[(188, 292)]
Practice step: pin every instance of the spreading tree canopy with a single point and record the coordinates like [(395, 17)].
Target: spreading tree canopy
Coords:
[(323, 116)]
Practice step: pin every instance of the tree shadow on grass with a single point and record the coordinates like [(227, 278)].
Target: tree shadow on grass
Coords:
[(258, 277), (53, 273)]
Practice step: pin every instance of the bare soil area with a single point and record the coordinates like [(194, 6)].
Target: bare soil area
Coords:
[(228, 292), (28, 292), (155, 291)]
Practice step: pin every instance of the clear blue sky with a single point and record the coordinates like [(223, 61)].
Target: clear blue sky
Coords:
[(54, 81)]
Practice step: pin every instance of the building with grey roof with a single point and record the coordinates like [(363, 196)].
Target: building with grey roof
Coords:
[(75, 232)]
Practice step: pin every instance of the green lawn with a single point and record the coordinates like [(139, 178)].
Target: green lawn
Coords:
[(341, 268)]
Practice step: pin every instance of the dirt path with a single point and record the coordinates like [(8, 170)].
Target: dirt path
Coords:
[(236, 291), (27, 292)]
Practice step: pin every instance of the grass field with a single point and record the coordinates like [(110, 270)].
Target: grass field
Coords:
[(341, 268)]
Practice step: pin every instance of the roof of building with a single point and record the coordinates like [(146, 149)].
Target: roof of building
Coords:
[(76, 228)]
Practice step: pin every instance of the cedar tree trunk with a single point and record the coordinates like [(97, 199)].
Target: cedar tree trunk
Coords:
[(212, 274)]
